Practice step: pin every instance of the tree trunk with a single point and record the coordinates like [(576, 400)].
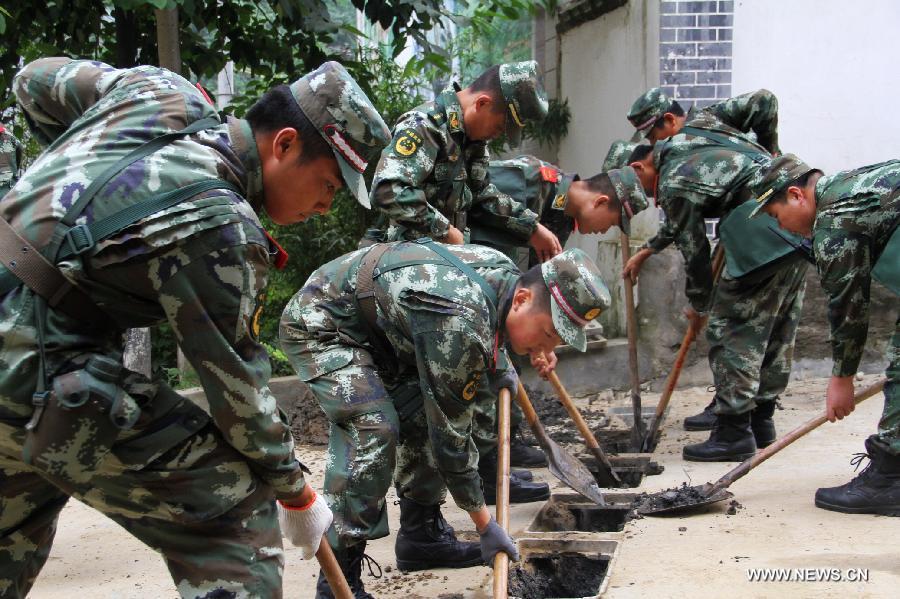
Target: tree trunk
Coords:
[(137, 351), (167, 39)]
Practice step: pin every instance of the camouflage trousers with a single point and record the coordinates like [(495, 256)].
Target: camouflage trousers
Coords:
[(484, 422), (752, 326), (377, 433), (194, 500), (889, 425)]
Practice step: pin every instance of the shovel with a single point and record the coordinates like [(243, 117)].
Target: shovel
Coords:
[(563, 465), (501, 560), (713, 492), (605, 474), (672, 380), (637, 433), (332, 570)]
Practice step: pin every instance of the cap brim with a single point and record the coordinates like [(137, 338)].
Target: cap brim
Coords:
[(513, 133), (354, 181)]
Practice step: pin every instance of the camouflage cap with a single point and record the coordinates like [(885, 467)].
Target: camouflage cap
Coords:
[(647, 108), (578, 292), (618, 154), (523, 92), (334, 103), (630, 193), (775, 177)]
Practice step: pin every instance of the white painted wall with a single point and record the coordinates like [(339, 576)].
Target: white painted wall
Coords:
[(833, 66), (606, 64)]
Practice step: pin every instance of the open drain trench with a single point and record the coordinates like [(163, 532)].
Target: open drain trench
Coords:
[(569, 549)]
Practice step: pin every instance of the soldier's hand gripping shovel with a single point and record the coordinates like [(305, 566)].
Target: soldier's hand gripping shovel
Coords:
[(672, 380), (605, 474), (332, 570), (501, 560), (563, 465), (687, 498)]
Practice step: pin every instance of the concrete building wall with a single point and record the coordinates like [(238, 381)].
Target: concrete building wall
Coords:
[(832, 66), (605, 64)]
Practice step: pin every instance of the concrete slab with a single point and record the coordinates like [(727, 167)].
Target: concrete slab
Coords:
[(777, 525)]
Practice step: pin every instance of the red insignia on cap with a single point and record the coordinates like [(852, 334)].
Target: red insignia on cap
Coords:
[(337, 140), (549, 174)]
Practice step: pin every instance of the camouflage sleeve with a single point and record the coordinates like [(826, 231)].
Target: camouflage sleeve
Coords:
[(844, 265), (451, 363), (663, 238), (493, 208), (212, 304), (688, 230), (398, 189), (54, 92), (757, 112)]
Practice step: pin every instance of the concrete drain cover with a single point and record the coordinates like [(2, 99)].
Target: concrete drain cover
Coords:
[(573, 514)]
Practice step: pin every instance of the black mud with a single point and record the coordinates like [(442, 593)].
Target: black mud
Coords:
[(564, 517), (560, 575), (684, 495)]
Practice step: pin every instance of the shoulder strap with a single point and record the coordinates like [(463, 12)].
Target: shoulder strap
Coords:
[(365, 300), (72, 214), (467, 270)]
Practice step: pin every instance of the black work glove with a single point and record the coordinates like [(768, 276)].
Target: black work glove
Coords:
[(508, 379), (494, 540)]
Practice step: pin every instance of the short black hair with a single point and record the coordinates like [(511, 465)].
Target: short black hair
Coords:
[(800, 181), (639, 153), (600, 183), (675, 108), (277, 109), (489, 82), (533, 279)]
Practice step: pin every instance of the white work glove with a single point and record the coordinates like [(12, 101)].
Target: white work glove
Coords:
[(304, 526)]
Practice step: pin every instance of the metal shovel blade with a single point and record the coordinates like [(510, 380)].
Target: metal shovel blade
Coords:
[(567, 468), (680, 500)]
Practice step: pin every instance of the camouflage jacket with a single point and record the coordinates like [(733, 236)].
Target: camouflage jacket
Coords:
[(439, 323), (201, 265), (10, 160), (752, 116), (534, 184), (857, 212), (413, 187), (699, 178)]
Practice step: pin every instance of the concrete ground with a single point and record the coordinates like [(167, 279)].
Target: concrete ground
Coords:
[(776, 526)]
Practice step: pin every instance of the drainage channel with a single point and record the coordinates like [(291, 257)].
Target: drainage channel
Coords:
[(569, 548)]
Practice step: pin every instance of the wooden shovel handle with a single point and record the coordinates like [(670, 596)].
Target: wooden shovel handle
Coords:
[(501, 560), (761, 456), (637, 432), (332, 570)]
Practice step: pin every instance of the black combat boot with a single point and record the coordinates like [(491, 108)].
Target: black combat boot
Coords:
[(703, 421), (762, 424), (351, 560), (425, 540), (731, 440), (520, 489), (522, 455), (875, 490)]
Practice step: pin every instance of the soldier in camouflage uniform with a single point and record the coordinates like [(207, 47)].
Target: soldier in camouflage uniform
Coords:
[(704, 172), (433, 178), (852, 220), (397, 380), (619, 152), (657, 117), (10, 160), (166, 232), (564, 202)]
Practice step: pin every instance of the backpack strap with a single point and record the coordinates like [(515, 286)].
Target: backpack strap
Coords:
[(365, 300)]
